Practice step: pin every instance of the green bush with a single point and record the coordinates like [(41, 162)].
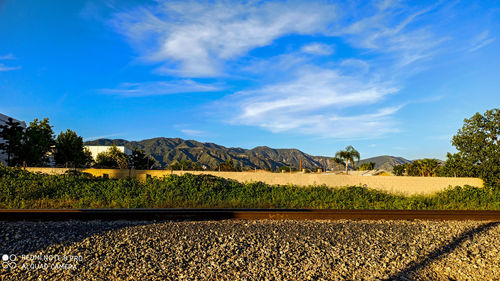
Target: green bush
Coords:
[(22, 189)]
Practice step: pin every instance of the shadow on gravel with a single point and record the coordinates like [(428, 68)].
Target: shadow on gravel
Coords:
[(25, 237), (440, 252)]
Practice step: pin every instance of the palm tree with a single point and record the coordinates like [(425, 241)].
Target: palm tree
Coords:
[(338, 161), (348, 155), (427, 167)]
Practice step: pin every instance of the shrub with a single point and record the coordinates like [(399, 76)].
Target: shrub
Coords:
[(22, 189)]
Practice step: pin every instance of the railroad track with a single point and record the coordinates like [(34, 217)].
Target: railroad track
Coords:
[(250, 214)]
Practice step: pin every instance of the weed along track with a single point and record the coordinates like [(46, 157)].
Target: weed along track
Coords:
[(20, 189), (75, 227)]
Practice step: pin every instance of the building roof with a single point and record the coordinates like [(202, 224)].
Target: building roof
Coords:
[(4, 118)]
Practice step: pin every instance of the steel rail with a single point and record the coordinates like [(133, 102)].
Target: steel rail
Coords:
[(248, 214)]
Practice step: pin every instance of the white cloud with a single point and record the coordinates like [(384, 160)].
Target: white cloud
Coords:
[(7, 57), (310, 104), (354, 66), (480, 41), (4, 67), (389, 40), (197, 39), (386, 4), (194, 133), (318, 49), (8, 68), (194, 39), (160, 88), (275, 65), (368, 125), (393, 30)]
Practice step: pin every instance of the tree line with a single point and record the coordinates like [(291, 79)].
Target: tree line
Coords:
[(424, 168), (36, 145), (477, 144), (478, 152), (116, 159)]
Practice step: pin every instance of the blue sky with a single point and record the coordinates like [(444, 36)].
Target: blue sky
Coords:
[(388, 77)]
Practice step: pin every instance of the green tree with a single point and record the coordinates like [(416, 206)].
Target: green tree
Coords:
[(12, 133), (348, 155), (139, 160), (227, 166), (105, 160), (285, 168), (399, 170), (113, 158), (186, 165), (69, 150), (425, 167), (367, 166), (478, 145), (412, 169), (339, 162), (38, 142), (455, 166)]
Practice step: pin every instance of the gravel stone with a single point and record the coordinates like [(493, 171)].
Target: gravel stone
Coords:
[(251, 250)]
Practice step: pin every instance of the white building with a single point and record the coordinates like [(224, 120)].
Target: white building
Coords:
[(3, 120), (96, 149)]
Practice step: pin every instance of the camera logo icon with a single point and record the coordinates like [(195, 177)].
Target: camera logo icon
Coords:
[(9, 261)]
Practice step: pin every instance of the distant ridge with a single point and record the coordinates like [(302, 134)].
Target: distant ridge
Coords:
[(386, 162), (170, 150)]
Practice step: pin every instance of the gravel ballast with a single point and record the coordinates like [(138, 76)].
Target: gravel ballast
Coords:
[(250, 250)]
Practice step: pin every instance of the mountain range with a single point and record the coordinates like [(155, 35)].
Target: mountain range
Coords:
[(171, 150), (386, 162)]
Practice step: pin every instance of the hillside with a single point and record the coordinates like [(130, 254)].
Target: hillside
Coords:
[(386, 162), (170, 150)]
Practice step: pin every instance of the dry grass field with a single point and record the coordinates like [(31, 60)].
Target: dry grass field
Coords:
[(392, 184)]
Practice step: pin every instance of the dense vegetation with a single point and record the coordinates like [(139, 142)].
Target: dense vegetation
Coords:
[(27, 146), (367, 166), (70, 152), (424, 168), (478, 146), (34, 145), (113, 158), (22, 189)]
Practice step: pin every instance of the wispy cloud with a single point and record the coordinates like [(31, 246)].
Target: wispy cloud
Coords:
[(394, 31), (353, 66), (194, 39), (160, 88), (318, 49), (7, 57), (275, 66), (311, 103), (4, 67), (314, 87), (480, 41), (8, 68), (194, 133)]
